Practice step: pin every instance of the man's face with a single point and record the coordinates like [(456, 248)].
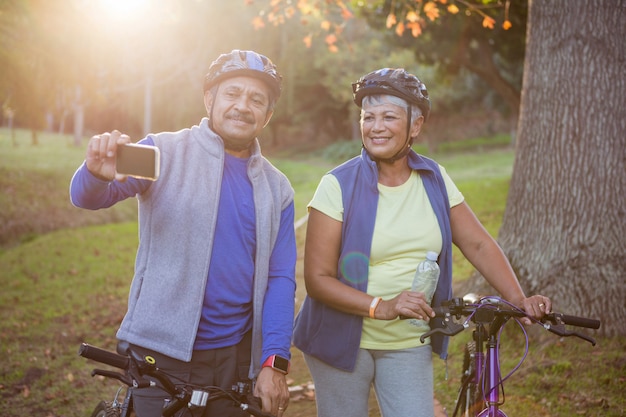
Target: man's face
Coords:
[(239, 111)]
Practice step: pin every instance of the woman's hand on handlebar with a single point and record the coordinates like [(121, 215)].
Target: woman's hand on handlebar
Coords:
[(536, 306), (407, 304)]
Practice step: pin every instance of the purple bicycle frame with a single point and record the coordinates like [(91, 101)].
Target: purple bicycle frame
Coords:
[(490, 382), (484, 355)]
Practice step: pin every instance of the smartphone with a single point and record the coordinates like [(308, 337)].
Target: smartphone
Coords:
[(140, 161)]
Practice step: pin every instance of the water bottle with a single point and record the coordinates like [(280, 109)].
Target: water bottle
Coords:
[(425, 280)]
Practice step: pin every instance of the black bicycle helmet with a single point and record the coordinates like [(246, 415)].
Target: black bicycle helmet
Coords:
[(248, 63), (396, 82)]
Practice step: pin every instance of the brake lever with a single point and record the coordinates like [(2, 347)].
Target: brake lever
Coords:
[(125, 379), (560, 330), (451, 329), (585, 337)]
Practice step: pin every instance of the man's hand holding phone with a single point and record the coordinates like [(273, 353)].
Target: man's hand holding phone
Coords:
[(113, 156), (102, 155)]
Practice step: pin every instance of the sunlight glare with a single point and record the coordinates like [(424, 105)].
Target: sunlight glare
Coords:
[(119, 10)]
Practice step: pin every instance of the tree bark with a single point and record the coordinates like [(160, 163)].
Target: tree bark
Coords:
[(564, 228)]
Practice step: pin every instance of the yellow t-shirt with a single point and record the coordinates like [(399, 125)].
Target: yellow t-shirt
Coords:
[(405, 229)]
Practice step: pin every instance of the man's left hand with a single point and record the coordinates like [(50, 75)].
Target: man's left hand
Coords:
[(271, 387)]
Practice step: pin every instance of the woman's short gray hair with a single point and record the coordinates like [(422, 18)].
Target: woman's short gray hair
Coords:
[(376, 99)]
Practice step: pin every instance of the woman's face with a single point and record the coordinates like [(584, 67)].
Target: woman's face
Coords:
[(383, 128)]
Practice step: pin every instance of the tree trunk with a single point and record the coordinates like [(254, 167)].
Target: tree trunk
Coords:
[(147, 105), (564, 228), (79, 117)]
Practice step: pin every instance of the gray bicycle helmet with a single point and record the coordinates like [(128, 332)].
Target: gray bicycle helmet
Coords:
[(396, 82), (248, 63)]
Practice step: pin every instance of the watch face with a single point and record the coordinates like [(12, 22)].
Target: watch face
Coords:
[(281, 364)]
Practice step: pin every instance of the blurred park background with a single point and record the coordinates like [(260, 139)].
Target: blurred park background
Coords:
[(87, 66), (529, 110), (550, 75)]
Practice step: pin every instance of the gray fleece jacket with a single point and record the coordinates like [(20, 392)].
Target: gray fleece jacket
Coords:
[(176, 247)]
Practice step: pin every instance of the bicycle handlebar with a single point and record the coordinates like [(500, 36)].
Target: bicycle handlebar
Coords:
[(572, 320), (489, 308), (103, 356), (555, 318), (180, 396)]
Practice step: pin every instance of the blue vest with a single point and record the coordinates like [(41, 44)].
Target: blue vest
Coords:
[(334, 336)]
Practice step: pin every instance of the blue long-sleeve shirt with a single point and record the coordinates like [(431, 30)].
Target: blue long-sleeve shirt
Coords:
[(230, 289)]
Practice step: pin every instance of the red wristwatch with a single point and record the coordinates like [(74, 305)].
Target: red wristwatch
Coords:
[(277, 362)]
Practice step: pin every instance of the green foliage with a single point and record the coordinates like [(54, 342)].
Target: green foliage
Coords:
[(304, 177), (341, 151), (476, 144), (60, 59)]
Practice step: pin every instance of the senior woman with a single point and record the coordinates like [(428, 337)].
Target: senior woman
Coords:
[(371, 221)]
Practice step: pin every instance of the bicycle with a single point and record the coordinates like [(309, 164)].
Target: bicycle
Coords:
[(481, 380), (135, 368)]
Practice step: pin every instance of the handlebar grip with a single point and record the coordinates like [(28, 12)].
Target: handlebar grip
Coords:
[(250, 409), (173, 407), (578, 321), (103, 356), (252, 405), (439, 312)]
